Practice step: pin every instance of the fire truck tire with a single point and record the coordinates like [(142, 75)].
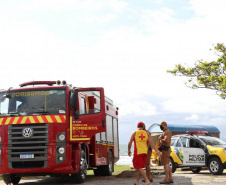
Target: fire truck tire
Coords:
[(81, 176), (108, 169), (11, 178), (105, 170)]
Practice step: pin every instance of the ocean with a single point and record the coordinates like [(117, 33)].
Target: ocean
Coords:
[(124, 158)]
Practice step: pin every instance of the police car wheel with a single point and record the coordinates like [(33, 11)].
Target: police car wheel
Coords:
[(195, 169), (172, 165), (215, 166)]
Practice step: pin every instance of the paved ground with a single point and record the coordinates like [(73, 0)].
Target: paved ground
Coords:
[(128, 177)]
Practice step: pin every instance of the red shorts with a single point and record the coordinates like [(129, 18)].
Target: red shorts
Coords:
[(139, 161)]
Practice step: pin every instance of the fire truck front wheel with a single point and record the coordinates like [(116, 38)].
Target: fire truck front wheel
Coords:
[(80, 177), (11, 178)]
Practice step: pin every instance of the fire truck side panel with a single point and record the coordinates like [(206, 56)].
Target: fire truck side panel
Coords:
[(107, 140)]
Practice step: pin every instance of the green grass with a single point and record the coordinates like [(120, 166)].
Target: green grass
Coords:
[(117, 169)]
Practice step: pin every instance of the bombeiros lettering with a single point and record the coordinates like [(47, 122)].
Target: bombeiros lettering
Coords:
[(30, 93)]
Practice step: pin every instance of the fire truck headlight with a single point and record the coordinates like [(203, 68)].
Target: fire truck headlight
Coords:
[(61, 137), (61, 158), (61, 150)]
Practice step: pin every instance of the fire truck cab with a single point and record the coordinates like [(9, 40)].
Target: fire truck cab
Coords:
[(52, 128)]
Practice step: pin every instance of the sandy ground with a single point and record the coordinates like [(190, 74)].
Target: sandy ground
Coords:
[(128, 178)]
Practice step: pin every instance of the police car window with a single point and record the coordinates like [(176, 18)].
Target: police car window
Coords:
[(172, 141), (178, 143), (194, 144), (184, 141), (213, 141)]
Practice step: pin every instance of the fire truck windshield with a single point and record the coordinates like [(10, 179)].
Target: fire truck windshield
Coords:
[(33, 102)]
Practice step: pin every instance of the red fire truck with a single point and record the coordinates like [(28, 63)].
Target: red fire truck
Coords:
[(52, 128)]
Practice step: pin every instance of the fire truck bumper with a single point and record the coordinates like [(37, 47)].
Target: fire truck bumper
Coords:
[(52, 162)]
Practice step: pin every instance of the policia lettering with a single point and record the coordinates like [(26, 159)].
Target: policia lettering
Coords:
[(196, 158), (30, 93)]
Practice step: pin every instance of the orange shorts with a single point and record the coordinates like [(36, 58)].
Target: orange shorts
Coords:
[(139, 161)]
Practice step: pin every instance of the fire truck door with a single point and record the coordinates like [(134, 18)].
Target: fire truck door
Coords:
[(87, 114)]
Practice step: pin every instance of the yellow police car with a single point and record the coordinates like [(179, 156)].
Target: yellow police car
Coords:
[(197, 151)]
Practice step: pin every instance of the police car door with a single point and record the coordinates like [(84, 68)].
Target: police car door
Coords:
[(178, 151), (193, 154)]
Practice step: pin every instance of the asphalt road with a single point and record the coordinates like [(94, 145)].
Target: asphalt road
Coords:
[(128, 178)]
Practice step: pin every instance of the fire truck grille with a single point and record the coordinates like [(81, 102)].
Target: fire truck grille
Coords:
[(28, 146)]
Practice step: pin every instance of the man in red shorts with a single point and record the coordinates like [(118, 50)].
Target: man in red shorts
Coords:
[(140, 139)]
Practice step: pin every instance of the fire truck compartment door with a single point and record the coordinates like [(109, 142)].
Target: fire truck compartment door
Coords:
[(91, 115)]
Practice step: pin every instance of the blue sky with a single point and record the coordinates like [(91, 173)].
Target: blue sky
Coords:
[(124, 46)]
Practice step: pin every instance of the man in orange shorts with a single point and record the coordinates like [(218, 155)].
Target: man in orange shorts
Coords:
[(140, 139), (165, 140)]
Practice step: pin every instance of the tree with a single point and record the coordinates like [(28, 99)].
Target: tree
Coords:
[(209, 75)]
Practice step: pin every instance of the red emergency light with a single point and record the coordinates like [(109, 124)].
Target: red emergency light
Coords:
[(37, 83), (197, 132)]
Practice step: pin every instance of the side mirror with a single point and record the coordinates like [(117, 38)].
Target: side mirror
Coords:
[(73, 100), (7, 95), (73, 103), (202, 146), (3, 98)]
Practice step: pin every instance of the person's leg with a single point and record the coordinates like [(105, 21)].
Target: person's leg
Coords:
[(170, 174), (148, 169), (138, 177), (143, 174), (167, 171)]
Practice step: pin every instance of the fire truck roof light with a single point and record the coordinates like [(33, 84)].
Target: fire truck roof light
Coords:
[(64, 82), (197, 132), (37, 83), (58, 82)]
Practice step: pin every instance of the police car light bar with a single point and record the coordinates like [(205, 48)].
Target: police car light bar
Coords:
[(197, 132)]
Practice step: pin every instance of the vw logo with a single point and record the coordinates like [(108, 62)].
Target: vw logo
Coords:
[(27, 132)]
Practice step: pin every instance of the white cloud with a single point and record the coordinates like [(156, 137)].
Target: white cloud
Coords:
[(193, 117), (101, 19), (151, 17), (197, 102), (137, 108), (209, 8), (60, 5)]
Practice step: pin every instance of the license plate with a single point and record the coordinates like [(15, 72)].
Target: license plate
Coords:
[(27, 156)]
